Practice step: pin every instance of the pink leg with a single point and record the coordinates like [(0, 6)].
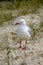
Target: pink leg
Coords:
[(25, 45), (20, 44), (26, 42)]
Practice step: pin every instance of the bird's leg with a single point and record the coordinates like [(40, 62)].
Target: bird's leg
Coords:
[(25, 45), (20, 44), (26, 42)]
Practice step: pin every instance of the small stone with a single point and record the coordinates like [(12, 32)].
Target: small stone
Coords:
[(23, 63)]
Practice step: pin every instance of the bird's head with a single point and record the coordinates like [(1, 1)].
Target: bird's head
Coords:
[(20, 22)]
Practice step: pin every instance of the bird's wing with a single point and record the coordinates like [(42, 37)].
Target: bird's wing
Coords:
[(29, 29)]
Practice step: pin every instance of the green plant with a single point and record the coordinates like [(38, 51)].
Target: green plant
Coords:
[(41, 24)]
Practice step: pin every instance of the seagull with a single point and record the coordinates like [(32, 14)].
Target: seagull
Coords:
[(23, 31)]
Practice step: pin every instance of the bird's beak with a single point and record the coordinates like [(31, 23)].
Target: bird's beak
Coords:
[(16, 23)]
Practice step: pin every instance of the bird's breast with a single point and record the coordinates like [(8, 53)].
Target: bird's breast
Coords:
[(22, 33)]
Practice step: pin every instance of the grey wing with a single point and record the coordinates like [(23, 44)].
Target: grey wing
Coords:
[(29, 30)]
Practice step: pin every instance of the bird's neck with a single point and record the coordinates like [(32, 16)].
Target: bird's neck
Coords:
[(22, 25)]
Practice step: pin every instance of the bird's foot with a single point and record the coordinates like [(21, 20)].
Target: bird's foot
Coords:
[(24, 48), (20, 47)]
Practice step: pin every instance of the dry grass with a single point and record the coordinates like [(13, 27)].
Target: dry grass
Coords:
[(22, 7)]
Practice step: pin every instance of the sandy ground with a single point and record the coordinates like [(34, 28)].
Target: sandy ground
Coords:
[(11, 54)]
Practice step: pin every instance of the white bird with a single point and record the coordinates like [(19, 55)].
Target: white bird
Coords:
[(23, 31)]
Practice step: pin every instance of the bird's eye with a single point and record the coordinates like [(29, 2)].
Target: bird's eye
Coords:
[(20, 22)]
